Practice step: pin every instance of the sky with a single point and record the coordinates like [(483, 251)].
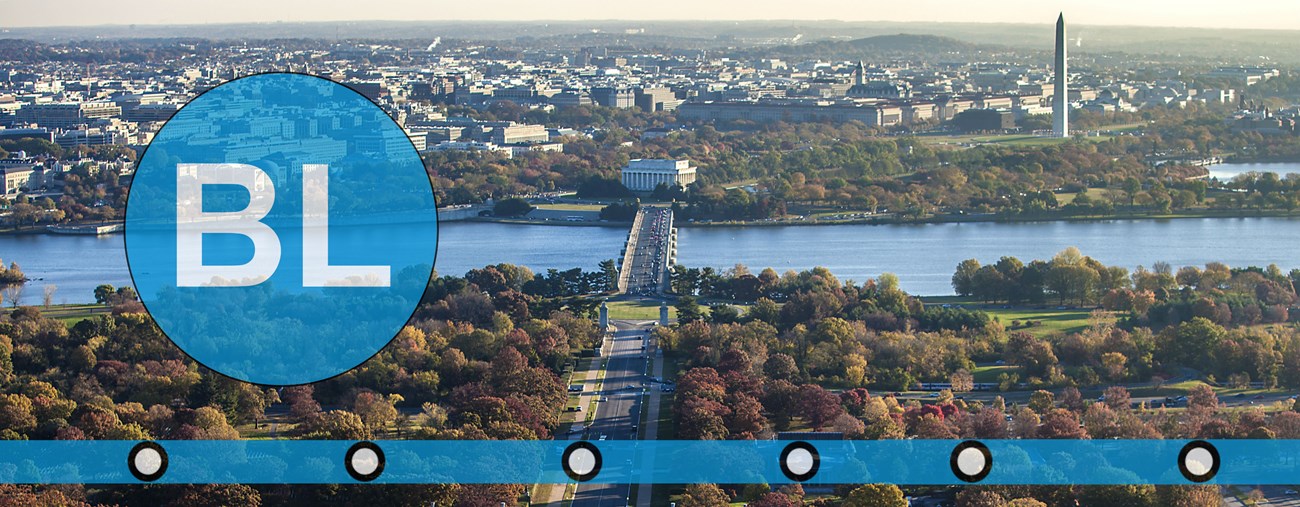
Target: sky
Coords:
[(1250, 14)]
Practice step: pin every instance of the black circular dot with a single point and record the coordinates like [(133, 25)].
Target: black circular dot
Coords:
[(585, 446), (362, 475), (147, 475), (1198, 475), (799, 475), (966, 475)]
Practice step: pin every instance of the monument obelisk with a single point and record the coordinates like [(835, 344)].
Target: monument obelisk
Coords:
[(1061, 94)]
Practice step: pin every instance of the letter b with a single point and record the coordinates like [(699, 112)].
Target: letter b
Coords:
[(192, 223)]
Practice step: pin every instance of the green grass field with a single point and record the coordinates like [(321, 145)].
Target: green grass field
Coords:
[(570, 207), (637, 310), (72, 314), (1067, 198), (1007, 139), (1186, 386), (989, 373), (1052, 320)]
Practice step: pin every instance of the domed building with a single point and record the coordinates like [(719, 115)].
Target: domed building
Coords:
[(877, 89)]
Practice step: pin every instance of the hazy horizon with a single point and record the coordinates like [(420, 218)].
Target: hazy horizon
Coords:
[(1160, 13)]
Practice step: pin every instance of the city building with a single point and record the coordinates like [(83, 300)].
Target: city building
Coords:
[(613, 97), (89, 137), (643, 175), (789, 111), (523, 148), (15, 134), (656, 99), (18, 173), (1244, 76), (150, 112), (471, 146), (570, 99), (985, 120), (514, 133), (66, 114)]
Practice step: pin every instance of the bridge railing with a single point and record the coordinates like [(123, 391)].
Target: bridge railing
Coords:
[(625, 268)]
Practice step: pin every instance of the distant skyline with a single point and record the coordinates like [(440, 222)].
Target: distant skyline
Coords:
[(1258, 14)]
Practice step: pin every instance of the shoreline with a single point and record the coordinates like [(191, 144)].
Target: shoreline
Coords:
[(874, 221), (938, 219)]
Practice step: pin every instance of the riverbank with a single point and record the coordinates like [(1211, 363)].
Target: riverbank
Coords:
[(73, 229), (933, 219)]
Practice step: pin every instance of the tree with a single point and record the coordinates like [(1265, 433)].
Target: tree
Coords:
[(765, 310), (14, 293), (704, 495), (609, 274), (746, 416), (1041, 401), (963, 281), (1131, 188), (512, 207), (1188, 496), (302, 402), (1117, 398), (876, 495), (375, 410), (962, 381), (1061, 424), (47, 297), (688, 310), (980, 497), (1071, 398), (1114, 364), (1192, 343), (775, 499), (620, 212), (723, 314), (217, 495), (336, 425), (780, 366), (1033, 355), (1202, 400), (12, 495), (818, 405), (126, 294), (16, 413)]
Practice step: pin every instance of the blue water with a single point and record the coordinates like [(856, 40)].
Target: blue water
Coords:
[(923, 256)]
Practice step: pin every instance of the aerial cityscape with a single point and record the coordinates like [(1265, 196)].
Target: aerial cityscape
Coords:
[(673, 231)]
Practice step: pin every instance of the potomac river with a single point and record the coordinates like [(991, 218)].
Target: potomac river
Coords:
[(923, 256)]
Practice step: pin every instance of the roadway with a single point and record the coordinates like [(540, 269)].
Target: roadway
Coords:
[(649, 260), (1021, 396), (617, 416), (1274, 496)]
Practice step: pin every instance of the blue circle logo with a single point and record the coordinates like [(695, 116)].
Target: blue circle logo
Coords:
[(281, 229)]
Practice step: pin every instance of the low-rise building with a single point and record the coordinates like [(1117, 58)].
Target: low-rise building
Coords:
[(66, 114), (472, 146), (643, 175), (17, 178)]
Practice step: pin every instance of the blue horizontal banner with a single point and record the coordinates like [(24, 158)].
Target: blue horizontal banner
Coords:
[(647, 462)]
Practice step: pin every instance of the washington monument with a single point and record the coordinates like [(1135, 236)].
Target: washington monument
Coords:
[(1061, 94)]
